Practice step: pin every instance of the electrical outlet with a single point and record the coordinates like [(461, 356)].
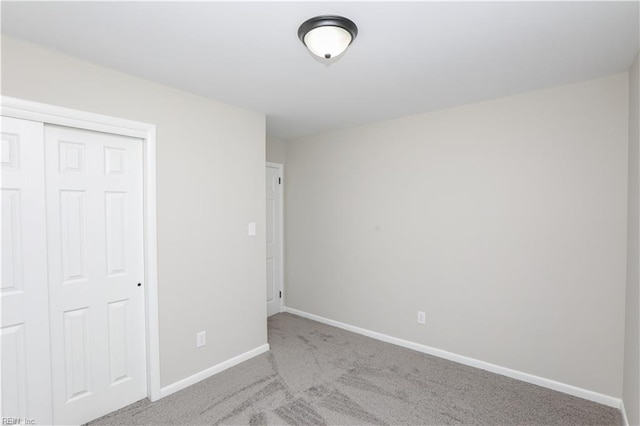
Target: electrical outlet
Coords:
[(422, 318), (201, 338)]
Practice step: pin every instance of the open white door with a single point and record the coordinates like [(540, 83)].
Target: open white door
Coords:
[(274, 238), (96, 270)]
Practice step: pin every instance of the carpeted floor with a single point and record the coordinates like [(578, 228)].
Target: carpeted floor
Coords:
[(316, 375)]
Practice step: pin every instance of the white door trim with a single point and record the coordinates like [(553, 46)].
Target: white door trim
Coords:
[(49, 114), (280, 168)]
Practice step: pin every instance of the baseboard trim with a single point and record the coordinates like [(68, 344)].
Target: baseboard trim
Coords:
[(472, 362), (625, 419), (184, 383)]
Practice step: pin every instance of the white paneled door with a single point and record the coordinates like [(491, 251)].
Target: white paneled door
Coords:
[(273, 237), (24, 334), (95, 245), (72, 330)]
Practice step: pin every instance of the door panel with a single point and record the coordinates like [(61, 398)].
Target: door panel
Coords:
[(95, 238), (77, 354), (274, 274), (14, 371), (24, 333), (119, 365), (116, 232)]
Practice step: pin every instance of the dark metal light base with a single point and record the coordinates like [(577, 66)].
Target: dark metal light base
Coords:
[(327, 21)]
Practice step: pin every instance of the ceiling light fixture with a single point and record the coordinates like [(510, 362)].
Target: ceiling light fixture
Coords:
[(327, 36)]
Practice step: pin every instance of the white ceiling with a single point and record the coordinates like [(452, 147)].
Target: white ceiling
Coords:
[(409, 57)]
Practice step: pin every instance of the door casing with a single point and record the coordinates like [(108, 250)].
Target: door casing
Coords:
[(49, 114)]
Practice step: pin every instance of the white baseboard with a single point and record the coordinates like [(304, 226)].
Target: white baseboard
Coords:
[(625, 419), (181, 384), (514, 374)]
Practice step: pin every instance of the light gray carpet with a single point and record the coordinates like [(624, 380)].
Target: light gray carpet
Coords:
[(316, 374)]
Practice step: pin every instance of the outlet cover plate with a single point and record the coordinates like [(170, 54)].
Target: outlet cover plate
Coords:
[(422, 317), (201, 339)]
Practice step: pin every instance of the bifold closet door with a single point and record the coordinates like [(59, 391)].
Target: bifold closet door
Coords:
[(96, 292), (26, 374)]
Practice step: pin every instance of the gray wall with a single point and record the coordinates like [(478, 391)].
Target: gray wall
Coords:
[(631, 394), (276, 152), (504, 220), (210, 171)]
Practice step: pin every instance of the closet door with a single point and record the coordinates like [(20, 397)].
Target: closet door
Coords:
[(95, 237), (26, 374)]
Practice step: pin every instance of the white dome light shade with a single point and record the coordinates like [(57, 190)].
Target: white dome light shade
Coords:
[(327, 42), (327, 36)]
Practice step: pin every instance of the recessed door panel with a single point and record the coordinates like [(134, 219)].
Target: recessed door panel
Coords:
[(14, 371), (10, 150), (271, 217), (114, 160), (118, 348), (115, 217), (72, 157), (77, 354), (11, 241), (270, 280), (73, 234)]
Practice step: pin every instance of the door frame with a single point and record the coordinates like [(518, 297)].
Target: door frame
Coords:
[(280, 168), (50, 114)]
